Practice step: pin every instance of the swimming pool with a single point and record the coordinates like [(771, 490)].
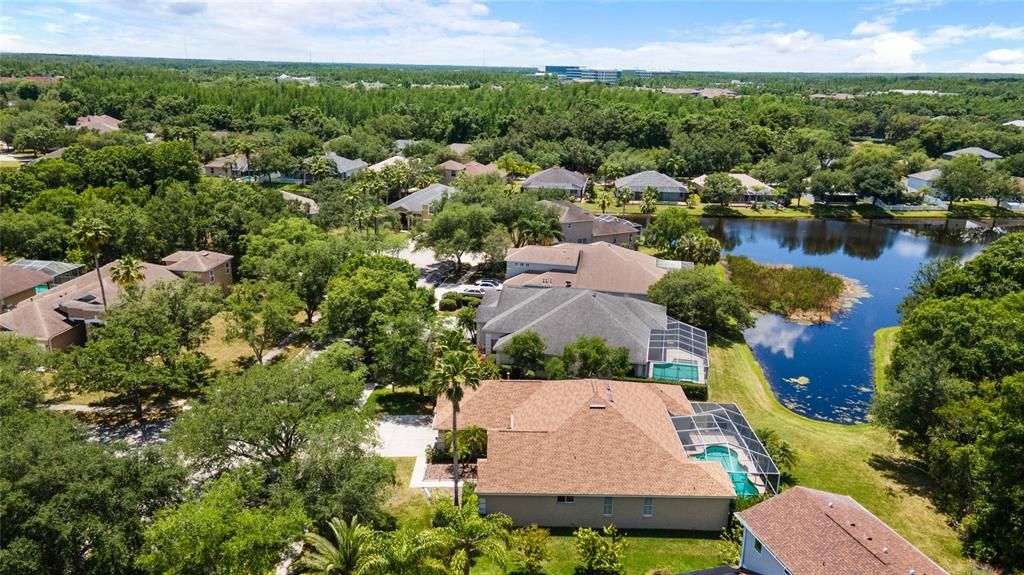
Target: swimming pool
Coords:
[(675, 372), (730, 461)]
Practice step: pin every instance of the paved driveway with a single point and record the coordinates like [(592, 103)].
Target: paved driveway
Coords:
[(404, 435)]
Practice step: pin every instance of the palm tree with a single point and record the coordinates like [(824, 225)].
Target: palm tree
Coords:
[(92, 234), (347, 554), (604, 199), (407, 552), (622, 197), (127, 273), (539, 230), (467, 320), (456, 371), (468, 534), (649, 203)]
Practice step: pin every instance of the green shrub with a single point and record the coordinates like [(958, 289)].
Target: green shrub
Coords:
[(784, 290)]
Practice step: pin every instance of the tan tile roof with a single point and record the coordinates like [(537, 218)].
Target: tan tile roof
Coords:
[(819, 533), (584, 437), (40, 316), (478, 169), (453, 165), (102, 123), (601, 266), (204, 261), (749, 182), (16, 280), (237, 161)]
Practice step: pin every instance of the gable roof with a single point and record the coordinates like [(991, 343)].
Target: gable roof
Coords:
[(561, 315), (927, 175), (749, 182), (974, 151), (557, 178), (475, 168), (609, 225), (14, 280), (344, 165), (415, 201), (584, 437), (820, 533), (599, 266), (568, 212), (453, 165), (102, 123), (387, 162), (650, 178), (236, 161), (188, 261), (40, 316)]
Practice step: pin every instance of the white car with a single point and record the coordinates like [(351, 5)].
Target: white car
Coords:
[(489, 284), (475, 291)]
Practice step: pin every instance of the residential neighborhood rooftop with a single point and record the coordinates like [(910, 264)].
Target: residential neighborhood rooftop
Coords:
[(927, 175), (556, 178), (749, 182), (649, 178), (415, 201), (814, 532), (973, 151), (201, 261), (102, 123), (14, 280), (342, 164), (584, 437)]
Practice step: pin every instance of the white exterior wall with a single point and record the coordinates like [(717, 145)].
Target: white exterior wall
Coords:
[(762, 562), (916, 185), (512, 269)]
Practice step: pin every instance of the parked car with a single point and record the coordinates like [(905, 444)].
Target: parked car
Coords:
[(489, 284), (475, 291)]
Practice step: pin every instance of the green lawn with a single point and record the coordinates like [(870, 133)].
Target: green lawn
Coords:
[(885, 339), (409, 506), (861, 461), (404, 400), (843, 212)]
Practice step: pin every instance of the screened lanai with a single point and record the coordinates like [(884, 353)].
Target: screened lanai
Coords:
[(719, 432), (678, 353)]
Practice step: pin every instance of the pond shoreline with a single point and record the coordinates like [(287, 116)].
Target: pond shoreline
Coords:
[(853, 292)]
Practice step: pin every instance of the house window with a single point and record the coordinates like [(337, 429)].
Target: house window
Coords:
[(568, 226), (481, 505), (607, 512), (213, 276), (758, 546), (227, 267), (648, 506), (565, 499)]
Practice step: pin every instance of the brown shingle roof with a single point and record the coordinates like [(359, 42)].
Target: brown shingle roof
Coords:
[(568, 212), (16, 280), (102, 123), (204, 261), (584, 437), (819, 533)]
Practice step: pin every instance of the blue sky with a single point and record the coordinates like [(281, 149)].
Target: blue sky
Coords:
[(786, 36)]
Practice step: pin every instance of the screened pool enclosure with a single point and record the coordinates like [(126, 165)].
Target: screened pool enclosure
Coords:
[(678, 353)]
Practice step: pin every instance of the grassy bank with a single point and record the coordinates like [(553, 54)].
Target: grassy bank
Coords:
[(885, 340), (861, 461), (861, 211), (786, 290)]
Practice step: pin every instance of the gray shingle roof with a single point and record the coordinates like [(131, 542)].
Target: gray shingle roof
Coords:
[(556, 179), (561, 315), (974, 151), (927, 175), (649, 179), (343, 164), (415, 201)]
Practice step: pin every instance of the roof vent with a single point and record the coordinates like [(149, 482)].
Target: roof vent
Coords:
[(596, 405), (204, 253), (830, 505), (885, 549)]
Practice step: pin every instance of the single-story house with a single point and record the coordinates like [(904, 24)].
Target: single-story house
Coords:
[(669, 189), (18, 284), (102, 123), (451, 169), (230, 166), (402, 144), (972, 151), (308, 204), (804, 531), (557, 179), (58, 272), (459, 149), (57, 318), (660, 346), (754, 190), (579, 226), (206, 266), (379, 166), (598, 266), (589, 452), (417, 204), (344, 167), (919, 182)]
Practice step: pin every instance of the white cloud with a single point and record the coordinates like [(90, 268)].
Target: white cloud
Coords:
[(54, 28), (1004, 56), (873, 27)]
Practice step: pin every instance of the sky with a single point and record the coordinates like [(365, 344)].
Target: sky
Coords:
[(723, 35)]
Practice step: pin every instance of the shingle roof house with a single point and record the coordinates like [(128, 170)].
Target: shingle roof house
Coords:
[(754, 190), (562, 315), (451, 169), (599, 266), (230, 166), (582, 227), (379, 166), (102, 123), (206, 266), (809, 532), (345, 167), (669, 189), (919, 181), (557, 179), (459, 149), (17, 284), (973, 151), (55, 318), (417, 204), (588, 453)]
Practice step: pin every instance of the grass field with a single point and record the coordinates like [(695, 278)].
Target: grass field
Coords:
[(408, 505), (861, 461), (885, 339), (404, 400)]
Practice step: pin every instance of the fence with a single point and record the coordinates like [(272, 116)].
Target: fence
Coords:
[(931, 204)]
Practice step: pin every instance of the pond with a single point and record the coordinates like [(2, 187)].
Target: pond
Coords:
[(825, 371)]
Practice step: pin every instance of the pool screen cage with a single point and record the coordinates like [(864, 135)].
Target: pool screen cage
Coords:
[(680, 343), (723, 424)]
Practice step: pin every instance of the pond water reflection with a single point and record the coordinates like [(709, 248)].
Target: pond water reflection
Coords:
[(825, 371)]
